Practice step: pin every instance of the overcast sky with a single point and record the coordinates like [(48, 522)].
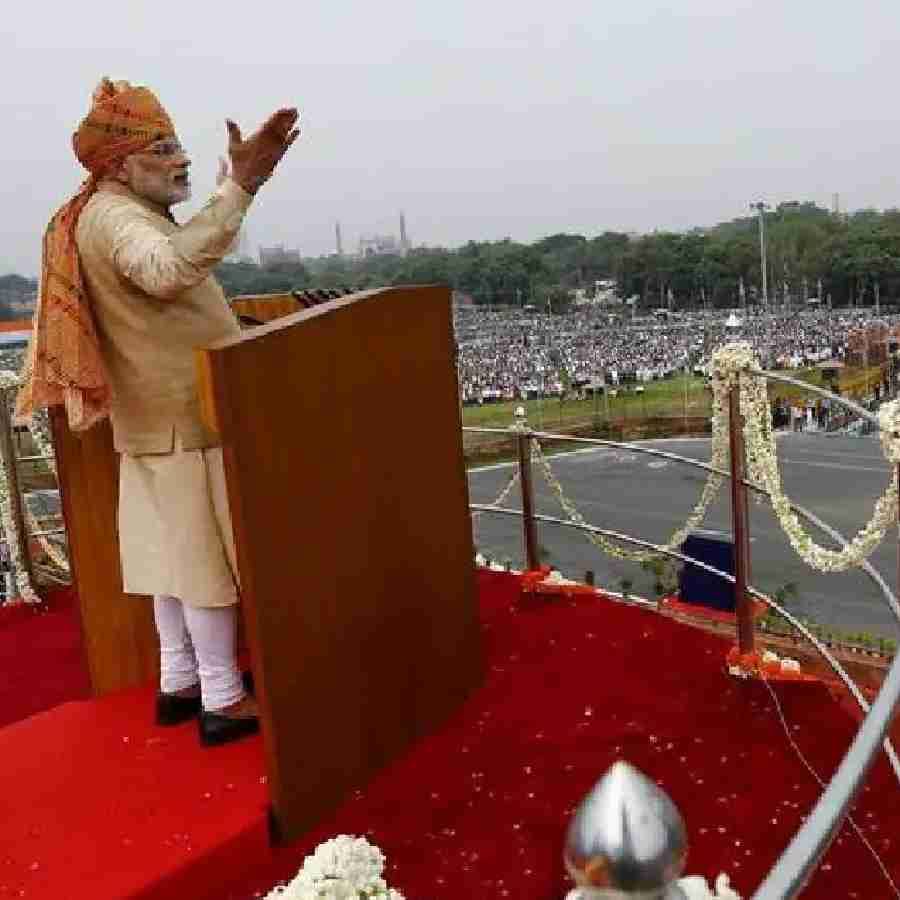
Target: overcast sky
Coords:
[(479, 119)]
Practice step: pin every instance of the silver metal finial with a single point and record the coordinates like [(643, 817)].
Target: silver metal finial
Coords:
[(627, 839)]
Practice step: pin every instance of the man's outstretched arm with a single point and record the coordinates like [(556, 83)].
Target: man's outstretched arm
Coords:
[(166, 265)]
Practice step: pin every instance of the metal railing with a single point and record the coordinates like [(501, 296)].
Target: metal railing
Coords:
[(805, 851)]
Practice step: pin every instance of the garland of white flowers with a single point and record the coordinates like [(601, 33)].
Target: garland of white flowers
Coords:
[(501, 497), (344, 868), (24, 587), (720, 460), (40, 434), (504, 493), (54, 554), (762, 466), (728, 364), (693, 887), (39, 428)]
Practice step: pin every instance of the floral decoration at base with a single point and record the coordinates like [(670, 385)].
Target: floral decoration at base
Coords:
[(694, 887), (767, 665), (343, 868)]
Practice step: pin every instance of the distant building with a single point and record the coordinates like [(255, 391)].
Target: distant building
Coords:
[(386, 244), (278, 256), (460, 298), (379, 245)]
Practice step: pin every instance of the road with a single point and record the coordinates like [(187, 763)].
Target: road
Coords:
[(837, 478)]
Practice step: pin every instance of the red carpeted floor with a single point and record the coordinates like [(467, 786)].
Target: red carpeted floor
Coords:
[(98, 803), (41, 663), (477, 810)]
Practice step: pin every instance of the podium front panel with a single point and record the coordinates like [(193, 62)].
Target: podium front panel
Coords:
[(342, 442)]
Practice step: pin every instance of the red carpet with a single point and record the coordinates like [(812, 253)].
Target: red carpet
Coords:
[(40, 657), (479, 810), (475, 811), (97, 803), (706, 612)]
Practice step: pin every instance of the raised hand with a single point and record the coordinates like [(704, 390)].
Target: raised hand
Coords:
[(254, 160)]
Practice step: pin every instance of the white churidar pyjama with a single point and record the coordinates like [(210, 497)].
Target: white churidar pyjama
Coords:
[(198, 643)]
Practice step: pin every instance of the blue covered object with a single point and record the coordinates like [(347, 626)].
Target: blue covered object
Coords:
[(703, 588)]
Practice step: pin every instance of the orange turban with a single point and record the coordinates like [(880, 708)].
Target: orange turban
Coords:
[(63, 365)]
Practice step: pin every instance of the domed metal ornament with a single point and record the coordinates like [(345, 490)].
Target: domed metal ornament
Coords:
[(627, 839)]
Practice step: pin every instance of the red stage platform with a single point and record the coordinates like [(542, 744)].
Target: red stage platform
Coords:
[(97, 803)]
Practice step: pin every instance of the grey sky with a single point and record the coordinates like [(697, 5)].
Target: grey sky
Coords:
[(480, 120)]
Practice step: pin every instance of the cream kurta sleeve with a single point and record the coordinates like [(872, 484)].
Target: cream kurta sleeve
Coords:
[(163, 265)]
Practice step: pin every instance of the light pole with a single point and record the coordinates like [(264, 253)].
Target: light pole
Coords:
[(761, 208)]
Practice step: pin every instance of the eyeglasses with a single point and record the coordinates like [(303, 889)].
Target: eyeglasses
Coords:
[(165, 148)]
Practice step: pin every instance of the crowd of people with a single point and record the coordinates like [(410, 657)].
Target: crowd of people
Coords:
[(508, 354)]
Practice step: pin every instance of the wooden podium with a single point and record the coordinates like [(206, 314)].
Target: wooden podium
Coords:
[(342, 443), (118, 636)]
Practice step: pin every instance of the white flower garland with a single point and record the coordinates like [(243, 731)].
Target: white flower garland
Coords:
[(762, 467), (39, 426), (504, 493), (24, 587), (499, 500), (694, 887), (728, 363), (54, 554), (720, 460), (344, 868), (40, 432)]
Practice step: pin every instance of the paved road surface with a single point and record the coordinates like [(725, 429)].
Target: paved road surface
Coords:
[(838, 478)]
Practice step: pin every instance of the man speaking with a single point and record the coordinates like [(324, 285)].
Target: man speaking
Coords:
[(126, 297)]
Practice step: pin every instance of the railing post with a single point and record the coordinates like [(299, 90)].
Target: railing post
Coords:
[(529, 527), (11, 469), (740, 524)]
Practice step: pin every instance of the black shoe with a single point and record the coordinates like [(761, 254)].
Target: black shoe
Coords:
[(173, 710), (216, 729)]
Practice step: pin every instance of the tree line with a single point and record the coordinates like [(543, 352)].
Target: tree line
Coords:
[(851, 259)]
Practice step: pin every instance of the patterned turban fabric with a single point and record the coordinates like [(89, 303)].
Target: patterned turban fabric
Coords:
[(63, 365)]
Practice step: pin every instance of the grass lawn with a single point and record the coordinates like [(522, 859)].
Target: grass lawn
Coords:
[(660, 398), (669, 398)]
